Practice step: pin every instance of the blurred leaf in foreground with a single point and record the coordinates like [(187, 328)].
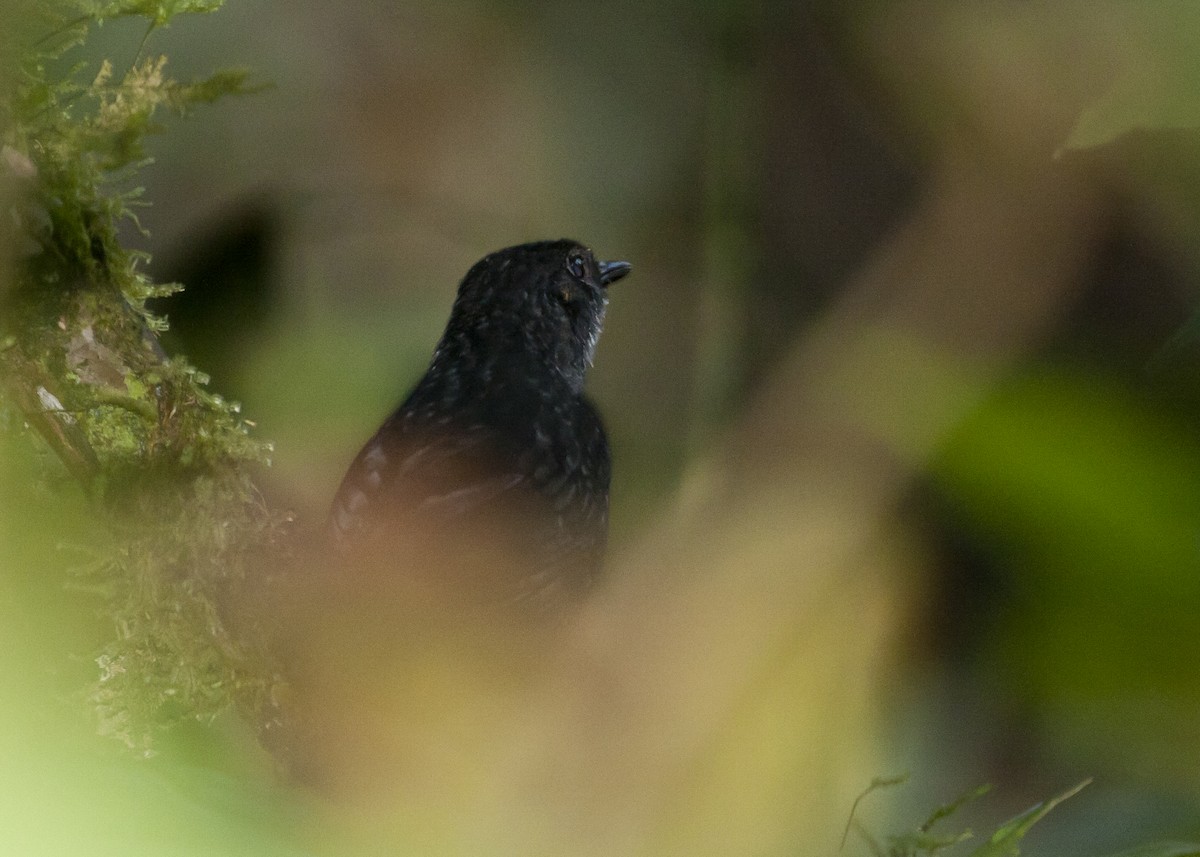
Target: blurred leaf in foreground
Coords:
[(1089, 502), (1157, 86)]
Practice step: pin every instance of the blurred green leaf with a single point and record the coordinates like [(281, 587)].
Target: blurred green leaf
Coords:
[(1006, 840), (1085, 479), (876, 784), (947, 810), (1158, 85), (1087, 501), (921, 841)]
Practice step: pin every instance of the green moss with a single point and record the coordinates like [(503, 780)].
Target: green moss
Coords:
[(164, 461)]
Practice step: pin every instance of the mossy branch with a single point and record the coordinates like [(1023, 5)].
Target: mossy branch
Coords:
[(165, 462)]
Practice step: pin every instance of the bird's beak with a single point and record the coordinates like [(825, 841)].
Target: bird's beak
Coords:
[(610, 272)]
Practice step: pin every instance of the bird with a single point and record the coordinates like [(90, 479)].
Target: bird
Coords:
[(490, 482)]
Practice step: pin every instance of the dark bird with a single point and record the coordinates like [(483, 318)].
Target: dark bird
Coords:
[(491, 480)]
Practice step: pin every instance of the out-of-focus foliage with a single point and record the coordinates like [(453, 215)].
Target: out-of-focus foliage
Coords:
[(1004, 841), (64, 789), (1163, 849), (1094, 501), (1156, 78)]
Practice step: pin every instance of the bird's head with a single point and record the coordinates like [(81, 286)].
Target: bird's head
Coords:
[(533, 308)]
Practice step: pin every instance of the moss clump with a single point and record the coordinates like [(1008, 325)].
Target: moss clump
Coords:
[(165, 463)]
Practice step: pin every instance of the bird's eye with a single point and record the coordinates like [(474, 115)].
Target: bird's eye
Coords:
[(577, 265)]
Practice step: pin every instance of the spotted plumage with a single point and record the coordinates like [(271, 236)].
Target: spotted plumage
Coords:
[(497, 442)]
